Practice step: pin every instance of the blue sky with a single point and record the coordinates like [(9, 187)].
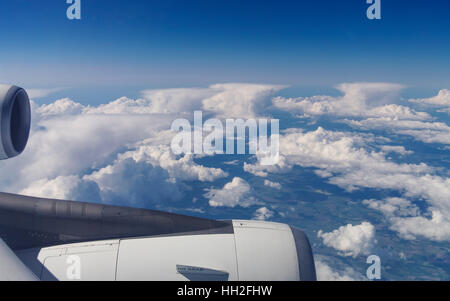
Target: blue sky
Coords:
[(124, 46)]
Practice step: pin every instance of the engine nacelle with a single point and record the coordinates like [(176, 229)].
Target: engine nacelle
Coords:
[(248, 251), (108, 242), (15, 119)]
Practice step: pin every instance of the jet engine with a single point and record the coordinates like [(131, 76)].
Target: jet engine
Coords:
[(15, 118)]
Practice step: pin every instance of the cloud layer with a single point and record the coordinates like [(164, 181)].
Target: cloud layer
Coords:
[(345, 159), (120, 153)]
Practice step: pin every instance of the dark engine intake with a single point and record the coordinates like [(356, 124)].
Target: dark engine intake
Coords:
[(15, 119)]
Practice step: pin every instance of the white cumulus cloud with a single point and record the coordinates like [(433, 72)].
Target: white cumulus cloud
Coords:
[(271, 184), (235, 193), (350, 240), (263, 214), (440, 100)]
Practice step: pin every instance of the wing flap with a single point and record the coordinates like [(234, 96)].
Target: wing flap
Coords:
[(11, 267)]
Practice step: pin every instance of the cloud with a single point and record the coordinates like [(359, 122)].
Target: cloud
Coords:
[(351, 240), (263, 214), (440, 100), (394, 206), (64, 187), (90, 152), (40, 93), (240, 100), (137, 182), (235, 193), (359, 99), (143, 176), (325, 272), (404, 218), (445, 110), (115, 153), (67, 145), (372, 106), (368, 95), (60, 107), (396, 149), (428, 132), (436, 227), (123, 105), (333, 153), (179, 167), (178, 100), (272, 184), (223, 100), (347, 161)]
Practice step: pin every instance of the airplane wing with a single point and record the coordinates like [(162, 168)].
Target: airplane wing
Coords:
[(11, 267), (121, 243), (28, 222)]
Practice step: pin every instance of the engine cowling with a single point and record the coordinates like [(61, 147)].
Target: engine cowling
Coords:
[(15, 119)]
